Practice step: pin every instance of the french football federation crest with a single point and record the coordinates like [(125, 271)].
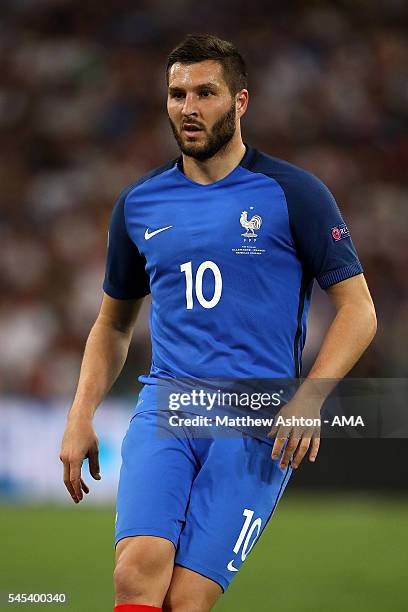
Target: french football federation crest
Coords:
[(254, 223)]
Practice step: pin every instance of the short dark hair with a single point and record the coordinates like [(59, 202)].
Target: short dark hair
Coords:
[(200, 47)]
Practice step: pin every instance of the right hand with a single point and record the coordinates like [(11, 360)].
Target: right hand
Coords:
[(79, 442)]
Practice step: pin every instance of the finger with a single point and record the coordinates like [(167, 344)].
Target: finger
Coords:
[(289, 450), (75, 478), (84, 486), (301, 452), (68, 484), (93, 458), (273, 431), (314, 449), (278, 445)]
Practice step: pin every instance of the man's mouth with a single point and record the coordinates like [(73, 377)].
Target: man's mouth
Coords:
[(190, 129)]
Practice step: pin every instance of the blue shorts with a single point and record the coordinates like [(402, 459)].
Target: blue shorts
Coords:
[(211, 496)]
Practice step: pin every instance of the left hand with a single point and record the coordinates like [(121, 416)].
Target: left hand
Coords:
[(298, 425)]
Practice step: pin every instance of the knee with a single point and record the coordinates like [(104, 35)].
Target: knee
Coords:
[(143, 573), (136, 564), (130, 577)]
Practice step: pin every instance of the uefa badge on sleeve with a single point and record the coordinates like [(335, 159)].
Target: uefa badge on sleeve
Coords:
[(340, 232)]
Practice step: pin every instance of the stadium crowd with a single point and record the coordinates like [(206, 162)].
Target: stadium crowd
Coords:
[(82, 114)]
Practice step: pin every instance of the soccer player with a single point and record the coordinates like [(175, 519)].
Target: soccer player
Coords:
[(228, 240)]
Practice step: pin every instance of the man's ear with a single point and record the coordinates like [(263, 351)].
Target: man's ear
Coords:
[(241, 100)]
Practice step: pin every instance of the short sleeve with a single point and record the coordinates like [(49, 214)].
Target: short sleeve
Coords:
[(125, 275), (321, 236)]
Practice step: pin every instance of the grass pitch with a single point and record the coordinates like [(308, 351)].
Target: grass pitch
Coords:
[(331, 553)]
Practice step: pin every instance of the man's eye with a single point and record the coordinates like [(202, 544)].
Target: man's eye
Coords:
[(177, 94), (205, 93)]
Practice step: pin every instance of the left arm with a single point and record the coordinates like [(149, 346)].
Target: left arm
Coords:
[(348, 336), (350, 332)]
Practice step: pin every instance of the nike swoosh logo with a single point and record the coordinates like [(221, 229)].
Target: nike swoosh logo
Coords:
[(231, 567), (151, 234)]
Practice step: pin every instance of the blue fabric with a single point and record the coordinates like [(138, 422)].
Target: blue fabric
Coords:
[(258, 237), (201, 493), (125, 276)]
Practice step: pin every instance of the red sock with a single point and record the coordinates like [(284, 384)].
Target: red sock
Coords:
[(135, 608)]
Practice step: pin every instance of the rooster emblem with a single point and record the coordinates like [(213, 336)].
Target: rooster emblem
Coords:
[(254, 223)]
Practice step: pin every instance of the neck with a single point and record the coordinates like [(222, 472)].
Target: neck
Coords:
[(217, 167)]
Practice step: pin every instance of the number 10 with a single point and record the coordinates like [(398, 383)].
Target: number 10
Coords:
[(248, 532), (187, 268)]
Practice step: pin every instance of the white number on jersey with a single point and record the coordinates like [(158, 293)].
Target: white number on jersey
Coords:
[(248, 532), (187, 268)]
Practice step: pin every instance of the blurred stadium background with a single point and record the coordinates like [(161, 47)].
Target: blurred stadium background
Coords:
[(82, 114)]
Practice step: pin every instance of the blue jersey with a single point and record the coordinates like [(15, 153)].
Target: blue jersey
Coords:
[(230, 265)]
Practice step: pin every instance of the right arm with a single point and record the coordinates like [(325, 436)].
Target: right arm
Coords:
[(125, 285), (104, 356)]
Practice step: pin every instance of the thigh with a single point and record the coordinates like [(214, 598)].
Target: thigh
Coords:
[(146, 548), (232, 499), (156, 476)]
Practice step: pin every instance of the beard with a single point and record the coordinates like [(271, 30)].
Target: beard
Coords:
[(221, 133)]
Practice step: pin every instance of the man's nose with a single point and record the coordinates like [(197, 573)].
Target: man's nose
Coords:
[(190, 106)]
